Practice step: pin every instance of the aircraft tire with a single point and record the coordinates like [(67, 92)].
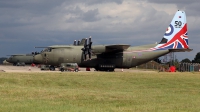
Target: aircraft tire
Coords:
[(96, 69), (62, 70), (52, 68), (76, 70)]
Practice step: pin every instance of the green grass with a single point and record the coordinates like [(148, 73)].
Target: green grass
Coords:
[(99, 92)]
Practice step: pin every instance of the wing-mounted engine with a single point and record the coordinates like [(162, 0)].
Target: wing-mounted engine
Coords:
[(105, 49), (87, 49)]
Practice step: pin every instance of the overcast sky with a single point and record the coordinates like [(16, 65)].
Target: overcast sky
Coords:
[(25, 24)]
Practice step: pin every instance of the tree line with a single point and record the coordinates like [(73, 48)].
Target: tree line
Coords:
[(195, 60), (2, 59)]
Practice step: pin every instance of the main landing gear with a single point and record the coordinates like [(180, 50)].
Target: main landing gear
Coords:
[(108, 68), (52, 68)]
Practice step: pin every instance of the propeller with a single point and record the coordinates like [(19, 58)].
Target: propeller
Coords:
[(87, 49)]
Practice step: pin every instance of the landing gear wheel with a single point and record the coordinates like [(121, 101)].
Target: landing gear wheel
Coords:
[(62, 70), (52, 68)]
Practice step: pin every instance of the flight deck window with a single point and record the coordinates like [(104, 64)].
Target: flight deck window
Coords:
[(49, 50), (46, 50)]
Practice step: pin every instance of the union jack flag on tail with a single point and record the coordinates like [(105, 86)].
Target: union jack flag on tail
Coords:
[(176, 35)]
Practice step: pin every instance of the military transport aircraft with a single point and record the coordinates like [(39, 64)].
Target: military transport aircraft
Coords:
[(21, 58), (109, 57)]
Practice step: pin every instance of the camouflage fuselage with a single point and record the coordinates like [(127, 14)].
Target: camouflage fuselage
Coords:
[(27, 59), (131, 57)]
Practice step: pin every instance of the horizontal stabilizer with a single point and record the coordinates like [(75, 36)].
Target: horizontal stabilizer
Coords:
[(180, 50)]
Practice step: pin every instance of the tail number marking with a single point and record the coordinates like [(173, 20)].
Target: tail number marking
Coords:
[(178, 24)]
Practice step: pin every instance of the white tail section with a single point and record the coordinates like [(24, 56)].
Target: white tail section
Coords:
[(176, 36)]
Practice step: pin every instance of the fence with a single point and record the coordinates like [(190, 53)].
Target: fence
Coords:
[(189, 67), (181, 67)]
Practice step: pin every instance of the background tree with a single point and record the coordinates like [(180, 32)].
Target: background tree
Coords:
[(197, 58), (157, 60), (2, 59), (186, 60)]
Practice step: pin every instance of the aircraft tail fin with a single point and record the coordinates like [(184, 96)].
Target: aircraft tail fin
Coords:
[(176, 36)]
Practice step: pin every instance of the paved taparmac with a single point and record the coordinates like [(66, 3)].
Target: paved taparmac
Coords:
[(28, 68)]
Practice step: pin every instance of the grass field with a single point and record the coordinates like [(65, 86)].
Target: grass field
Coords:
[(99, 92)]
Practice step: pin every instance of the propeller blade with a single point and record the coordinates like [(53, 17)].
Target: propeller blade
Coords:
[(87, 48), (90, 38), (85, 42), (89, 55), (85, 56)]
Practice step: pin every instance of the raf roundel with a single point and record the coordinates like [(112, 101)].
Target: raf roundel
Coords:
[(169, 31)]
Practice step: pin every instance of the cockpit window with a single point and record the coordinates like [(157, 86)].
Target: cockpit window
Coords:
[(46, 50), (33, 53)]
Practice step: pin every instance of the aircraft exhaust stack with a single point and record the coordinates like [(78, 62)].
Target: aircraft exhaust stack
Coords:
[(75, 42), (78, 42)]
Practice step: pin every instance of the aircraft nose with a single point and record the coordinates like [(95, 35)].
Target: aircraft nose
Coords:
[(8, 60), (38, 58)]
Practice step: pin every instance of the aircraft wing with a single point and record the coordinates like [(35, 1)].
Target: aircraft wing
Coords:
[(57, 46), (16, 55), (118, 47)]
